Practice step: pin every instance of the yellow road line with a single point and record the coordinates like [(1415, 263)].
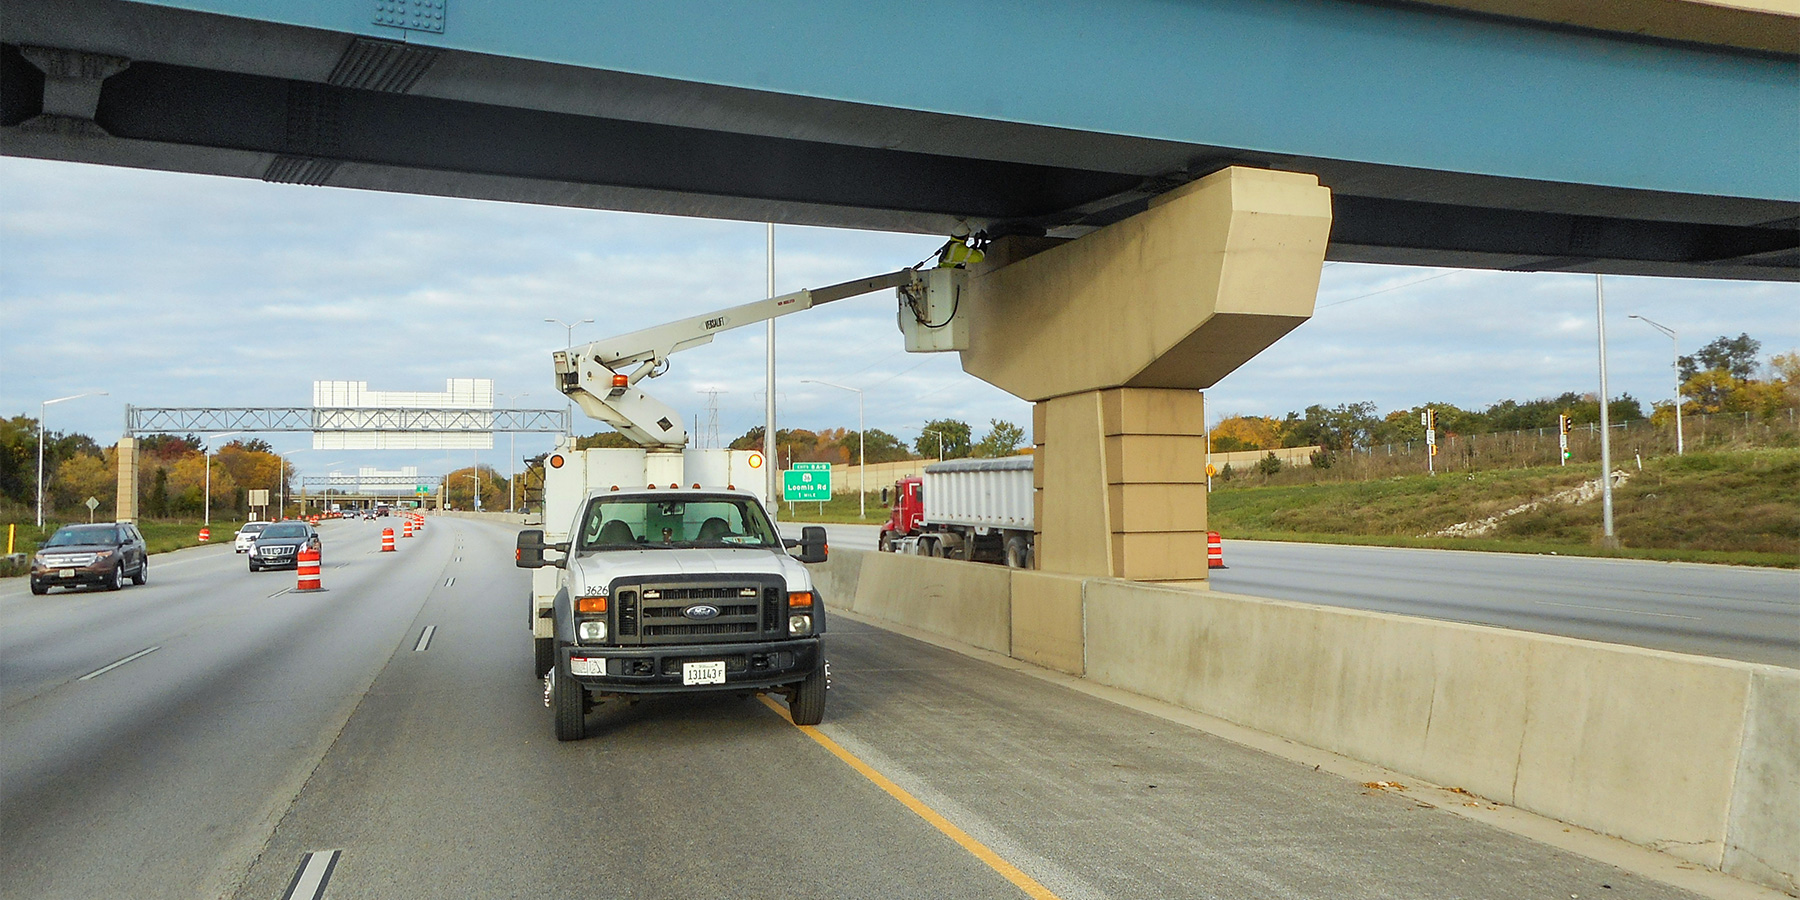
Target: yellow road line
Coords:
[(994, 861)]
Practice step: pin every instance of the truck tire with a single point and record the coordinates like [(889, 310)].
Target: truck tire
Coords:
[(806, 705), (545, 653), (885, 543), (567, 704), (933, 548), (1018, 554)]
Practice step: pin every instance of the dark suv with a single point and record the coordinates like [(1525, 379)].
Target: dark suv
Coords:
[(103, 554), (278, 546)]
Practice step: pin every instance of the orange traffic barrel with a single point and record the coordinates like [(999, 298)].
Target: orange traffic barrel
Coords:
[(307, 565), (205, 535), (387, 540), (407, 525), (1215, 551)]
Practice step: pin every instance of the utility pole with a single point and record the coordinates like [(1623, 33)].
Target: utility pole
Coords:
[(1680, 442), (1609, 540), (772, 480), (940, 439), (1428, 418)]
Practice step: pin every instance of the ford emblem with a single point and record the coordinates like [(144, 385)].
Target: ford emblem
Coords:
[(701, 611)]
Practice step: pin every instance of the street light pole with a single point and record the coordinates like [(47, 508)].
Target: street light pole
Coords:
[(940, 439), (1680, 440), (569, 341), (1609, 539), (862, 468), (42, 410), (206, 458)]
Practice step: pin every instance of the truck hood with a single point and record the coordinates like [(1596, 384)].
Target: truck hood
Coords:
[(598, 569)]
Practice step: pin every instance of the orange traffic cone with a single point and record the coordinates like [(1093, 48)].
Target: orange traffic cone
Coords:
[(205, 535), (306, 564), (407, 525), (387, 540)]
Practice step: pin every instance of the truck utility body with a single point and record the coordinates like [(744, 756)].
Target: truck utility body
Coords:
[(969, 509)]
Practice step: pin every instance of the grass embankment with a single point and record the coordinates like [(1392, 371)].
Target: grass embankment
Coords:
[(160, 536), (839, 510), (1739, 507)]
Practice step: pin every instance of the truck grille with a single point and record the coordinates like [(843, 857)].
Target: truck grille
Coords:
[(656, 613)]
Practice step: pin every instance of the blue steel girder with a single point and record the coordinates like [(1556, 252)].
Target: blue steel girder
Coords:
[(1446, 137)]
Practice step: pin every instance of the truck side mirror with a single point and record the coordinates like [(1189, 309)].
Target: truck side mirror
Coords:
[(530, 553), (813, 548)]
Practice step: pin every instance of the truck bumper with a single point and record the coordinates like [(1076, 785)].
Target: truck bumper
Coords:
[(658, 670)]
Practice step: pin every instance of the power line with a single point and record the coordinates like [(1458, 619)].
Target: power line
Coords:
[(1385, 290)]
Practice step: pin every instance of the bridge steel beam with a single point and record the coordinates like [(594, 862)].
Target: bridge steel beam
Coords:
[(1112, 335), (1645, 137)]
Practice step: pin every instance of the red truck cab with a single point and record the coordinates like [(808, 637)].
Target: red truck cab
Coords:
[(906, 513)]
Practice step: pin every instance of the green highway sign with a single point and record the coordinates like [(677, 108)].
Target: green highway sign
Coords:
[(806, 482), (422, 489)]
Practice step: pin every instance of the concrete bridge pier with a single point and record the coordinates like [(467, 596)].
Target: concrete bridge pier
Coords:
[(1112, 335), (126, 507)]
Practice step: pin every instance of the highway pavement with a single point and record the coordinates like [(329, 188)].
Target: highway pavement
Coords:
[(1733, 612), (389, 733)]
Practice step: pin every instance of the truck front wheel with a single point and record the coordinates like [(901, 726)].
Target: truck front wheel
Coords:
[(545, 655), (806, 703), (567, 703)]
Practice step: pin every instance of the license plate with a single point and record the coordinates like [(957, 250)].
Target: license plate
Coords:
[(703, 672), (581, 665), (69, 573)]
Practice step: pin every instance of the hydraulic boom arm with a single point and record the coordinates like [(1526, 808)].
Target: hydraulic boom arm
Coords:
[(594, 375)]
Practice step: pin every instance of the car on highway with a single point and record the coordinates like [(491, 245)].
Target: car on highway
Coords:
[(278, 546), (246, 535), (85, 555)]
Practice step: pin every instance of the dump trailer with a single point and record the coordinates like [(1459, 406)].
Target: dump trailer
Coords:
[(980, 510)]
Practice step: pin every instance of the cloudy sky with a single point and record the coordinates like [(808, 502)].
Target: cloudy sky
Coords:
[(186, 290)]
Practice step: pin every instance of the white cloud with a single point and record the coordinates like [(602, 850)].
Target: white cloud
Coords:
[(175, 290)]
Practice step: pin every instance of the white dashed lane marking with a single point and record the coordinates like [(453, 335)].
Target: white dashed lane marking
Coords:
[(108, 668), (312, 876), (425, 638)]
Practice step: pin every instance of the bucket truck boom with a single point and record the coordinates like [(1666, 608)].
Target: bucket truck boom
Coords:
[(595, 375)]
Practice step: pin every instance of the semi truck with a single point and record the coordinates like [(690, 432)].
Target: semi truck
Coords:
[(979, 510), (658, 568)]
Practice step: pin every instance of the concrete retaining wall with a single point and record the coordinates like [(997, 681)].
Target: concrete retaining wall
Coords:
[(1694, 756)]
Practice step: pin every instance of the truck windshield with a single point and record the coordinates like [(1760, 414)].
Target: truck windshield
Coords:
[(612, 523)]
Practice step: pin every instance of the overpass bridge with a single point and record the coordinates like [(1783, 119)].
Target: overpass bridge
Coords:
[(1651, 137)]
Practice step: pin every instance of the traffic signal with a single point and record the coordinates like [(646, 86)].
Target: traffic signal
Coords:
[(1562, 422)]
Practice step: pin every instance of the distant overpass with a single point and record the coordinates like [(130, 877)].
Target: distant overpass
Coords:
[(1637, 136)]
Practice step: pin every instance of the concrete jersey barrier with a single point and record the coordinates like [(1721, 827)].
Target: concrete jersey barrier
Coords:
[(1693, 756)]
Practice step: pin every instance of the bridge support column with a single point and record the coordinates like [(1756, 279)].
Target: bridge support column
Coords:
[(1113, 335), (1121, 478), (126, 506)]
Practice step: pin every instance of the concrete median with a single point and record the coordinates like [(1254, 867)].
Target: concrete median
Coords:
[(1694, 756)]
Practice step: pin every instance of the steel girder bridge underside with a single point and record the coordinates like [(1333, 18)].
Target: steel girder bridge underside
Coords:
[(1653, 137)]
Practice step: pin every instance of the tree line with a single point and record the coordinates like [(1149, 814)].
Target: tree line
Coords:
[(1722, 377), (950, 438), (171, 472)]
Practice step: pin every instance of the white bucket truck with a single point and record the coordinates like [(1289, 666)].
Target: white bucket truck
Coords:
[(664, 571)]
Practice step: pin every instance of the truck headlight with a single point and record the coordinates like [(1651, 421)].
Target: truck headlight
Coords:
[(591, 631), (798, 625)]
